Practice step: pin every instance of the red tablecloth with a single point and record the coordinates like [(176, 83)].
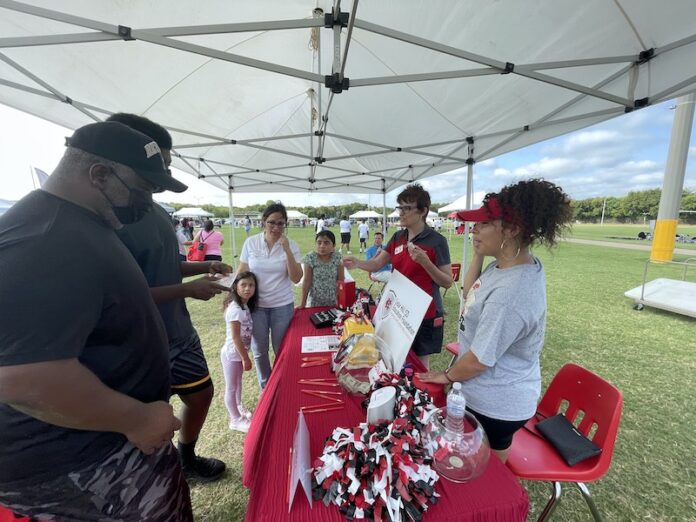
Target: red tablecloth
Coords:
[(496, 495)]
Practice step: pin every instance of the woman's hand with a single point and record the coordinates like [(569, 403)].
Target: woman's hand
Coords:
[(417, 254), (350, 262), (246, 363), (435, 377)]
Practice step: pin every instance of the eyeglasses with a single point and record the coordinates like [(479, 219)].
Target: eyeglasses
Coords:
[(402, 209), (279, 224)]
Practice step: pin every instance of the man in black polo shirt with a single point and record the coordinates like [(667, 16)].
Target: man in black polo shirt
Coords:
[(84, 382), (154, 245)]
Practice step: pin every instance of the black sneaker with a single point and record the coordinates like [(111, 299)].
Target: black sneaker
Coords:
[(204, 469)]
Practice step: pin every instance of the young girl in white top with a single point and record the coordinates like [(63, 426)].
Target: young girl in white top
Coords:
[(238, 306)]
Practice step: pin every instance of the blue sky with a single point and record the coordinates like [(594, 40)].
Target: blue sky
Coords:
[(610, 159)]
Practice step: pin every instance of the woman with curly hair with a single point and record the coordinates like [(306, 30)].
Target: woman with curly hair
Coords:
[(501, 328)]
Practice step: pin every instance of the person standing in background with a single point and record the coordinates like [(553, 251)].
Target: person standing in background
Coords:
[(321, 223), (363, 234), (344, 227), (213, 239)]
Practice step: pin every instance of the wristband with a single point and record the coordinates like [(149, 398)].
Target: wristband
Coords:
[(447, 375)]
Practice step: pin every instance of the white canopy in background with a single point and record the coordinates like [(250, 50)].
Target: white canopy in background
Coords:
[(296, 214), (192, 212), (460, 203), (366, 214), (419, 88)]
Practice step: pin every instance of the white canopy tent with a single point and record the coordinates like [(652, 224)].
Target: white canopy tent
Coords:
[(460, 203), (366, 214), (296, 214), (192, 212), (361, 99)]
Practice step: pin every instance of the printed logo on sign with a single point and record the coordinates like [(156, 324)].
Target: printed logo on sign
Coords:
[(389, 301), (151, 149)]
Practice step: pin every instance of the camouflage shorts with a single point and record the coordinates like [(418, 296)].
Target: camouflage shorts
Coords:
[(127, 485)]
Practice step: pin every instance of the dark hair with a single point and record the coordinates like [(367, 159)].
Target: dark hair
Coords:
[(378, 234), (175, 222), (208, 225), (541, 209), (272, 209), (417, 194), (327, 234), (234, 296), (147, 127)]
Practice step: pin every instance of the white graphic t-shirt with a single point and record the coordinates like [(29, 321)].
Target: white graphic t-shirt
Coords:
[(235, 313)]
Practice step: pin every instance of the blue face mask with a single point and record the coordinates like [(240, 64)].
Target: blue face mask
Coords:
[(139, 204)]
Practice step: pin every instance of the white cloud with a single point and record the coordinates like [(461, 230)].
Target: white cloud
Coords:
[(587, 139)]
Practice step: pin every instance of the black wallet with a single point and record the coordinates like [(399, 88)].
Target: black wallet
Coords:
[(572, 445), (324, 318)]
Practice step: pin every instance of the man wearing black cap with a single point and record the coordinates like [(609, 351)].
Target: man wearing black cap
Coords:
[(154, 245), (84, 381)]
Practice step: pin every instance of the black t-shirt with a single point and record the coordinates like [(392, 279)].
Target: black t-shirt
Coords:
[(153, 243), (70, 289)]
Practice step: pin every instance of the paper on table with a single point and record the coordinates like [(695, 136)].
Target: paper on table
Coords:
[(320, 343), (301, 464)]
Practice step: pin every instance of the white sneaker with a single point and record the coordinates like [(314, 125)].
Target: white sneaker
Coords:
[(240, 424), (246, 414)]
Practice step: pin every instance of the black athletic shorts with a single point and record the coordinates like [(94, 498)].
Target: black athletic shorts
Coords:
[(188, 366), (212, 257), (429, 337), (499, 432), (345, 238)]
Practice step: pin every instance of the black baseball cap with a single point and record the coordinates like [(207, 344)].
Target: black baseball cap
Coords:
[(117, 142)]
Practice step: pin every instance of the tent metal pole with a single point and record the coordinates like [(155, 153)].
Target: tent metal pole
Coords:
[(469, 199), (384, 208), (230, 188), (673, 184)]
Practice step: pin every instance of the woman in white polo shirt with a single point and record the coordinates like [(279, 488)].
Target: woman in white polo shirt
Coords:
[(275, 259)]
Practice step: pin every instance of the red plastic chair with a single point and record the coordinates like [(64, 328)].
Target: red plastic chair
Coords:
[(374, 281), (453, 348), (456, 269), (588, 397)]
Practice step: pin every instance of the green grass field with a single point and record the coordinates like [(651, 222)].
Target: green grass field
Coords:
[(650, 356)]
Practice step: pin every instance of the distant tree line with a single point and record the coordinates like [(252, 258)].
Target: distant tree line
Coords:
[(634, 207), (631, 208)]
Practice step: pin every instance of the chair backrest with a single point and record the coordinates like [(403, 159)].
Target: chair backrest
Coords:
[(577, 392), (456, 269)]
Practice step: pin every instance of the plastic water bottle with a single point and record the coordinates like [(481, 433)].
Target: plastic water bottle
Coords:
[(456, 406)]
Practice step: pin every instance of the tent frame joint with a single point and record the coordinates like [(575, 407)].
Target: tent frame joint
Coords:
[(638, 104), (509, 67), (332, 19), (336, 83), (125, 33), (645, 56)]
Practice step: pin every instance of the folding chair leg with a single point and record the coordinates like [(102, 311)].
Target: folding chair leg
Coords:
[(590, 502), (552, 503)]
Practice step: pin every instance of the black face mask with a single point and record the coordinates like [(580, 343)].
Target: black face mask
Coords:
[(139, 204)]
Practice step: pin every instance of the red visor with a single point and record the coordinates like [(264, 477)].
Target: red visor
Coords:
[(490, 211)]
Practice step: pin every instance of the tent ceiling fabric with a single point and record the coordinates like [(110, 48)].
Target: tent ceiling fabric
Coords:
[(243, 101)]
